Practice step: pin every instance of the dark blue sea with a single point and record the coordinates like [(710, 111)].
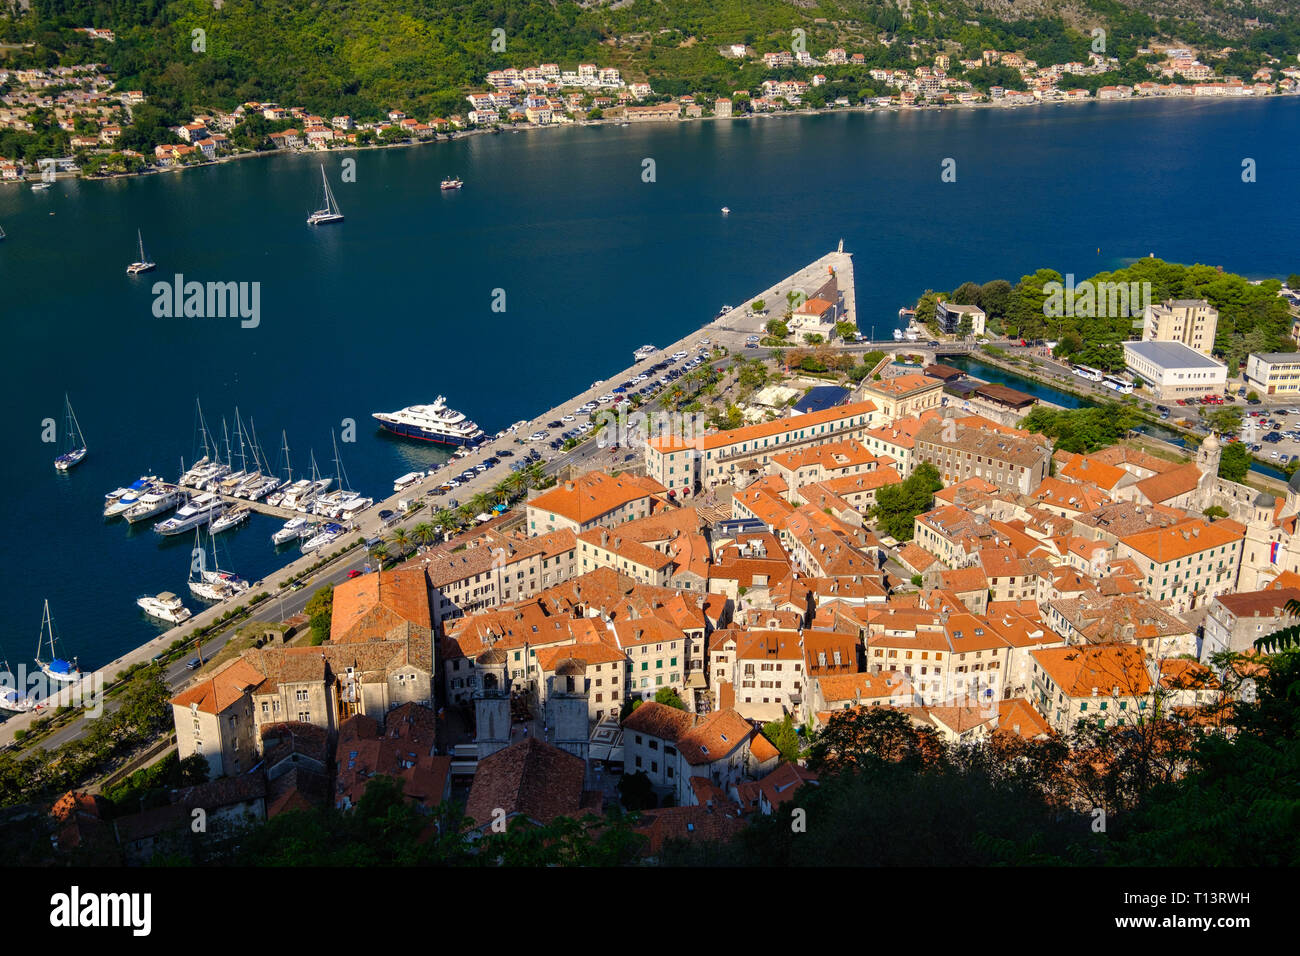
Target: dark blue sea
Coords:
[(394, 306)]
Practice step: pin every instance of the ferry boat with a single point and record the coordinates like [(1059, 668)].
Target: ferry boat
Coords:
[(76, 441), (434, 423), (323, 538), (144, 263), (159, 499), (165, 607), (451, 182), (199, 510), (231, 519), (293, 530), (330, 212), (55, 668), (644, 352), (408, 480)]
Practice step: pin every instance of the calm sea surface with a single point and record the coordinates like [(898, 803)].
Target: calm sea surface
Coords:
[(394, 306)]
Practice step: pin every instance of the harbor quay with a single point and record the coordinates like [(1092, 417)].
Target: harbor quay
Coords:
[(729, 330)]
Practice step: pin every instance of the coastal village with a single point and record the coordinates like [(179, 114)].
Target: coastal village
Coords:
[(86, 103), (664, 620)]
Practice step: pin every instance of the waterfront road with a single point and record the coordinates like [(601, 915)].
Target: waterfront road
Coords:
[(729, 331)]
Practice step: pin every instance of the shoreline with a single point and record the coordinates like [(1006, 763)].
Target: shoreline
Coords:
[(619, 121)]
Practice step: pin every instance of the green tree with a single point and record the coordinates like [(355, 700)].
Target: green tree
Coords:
[(898, 505), (1234, 463), (784, 737), (669, 698)]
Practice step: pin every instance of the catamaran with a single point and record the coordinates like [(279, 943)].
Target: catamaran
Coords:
[(144, 263), (164, 607), (56, 668), (330, 212), (76, 441)]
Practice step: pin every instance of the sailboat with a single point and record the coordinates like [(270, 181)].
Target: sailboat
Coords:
[(343, 503), (56, 668), (215, 585), (330, 212), (144, 263), (12, 696), (76, 442)]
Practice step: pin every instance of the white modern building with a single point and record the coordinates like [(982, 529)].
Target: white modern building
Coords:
[(1175, 371)]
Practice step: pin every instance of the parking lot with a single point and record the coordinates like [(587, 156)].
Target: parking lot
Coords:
[(1273, 434)]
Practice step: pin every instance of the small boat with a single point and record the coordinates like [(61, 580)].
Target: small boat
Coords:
[(726, 211), (212, 585), (408, 480), (724, 310), (330, 212), (451, 182), (144, 263), (231, 519), (323, 538), (898, 335), (14, 698), (77, 442), (165, 607), (293, 530), (644, 351), (56, 668), (41, 186)]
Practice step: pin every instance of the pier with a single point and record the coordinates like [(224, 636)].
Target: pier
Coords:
[(261, 507), (730, 331)]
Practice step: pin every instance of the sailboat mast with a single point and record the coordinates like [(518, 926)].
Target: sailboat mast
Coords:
[(287, 466), (203, 427)]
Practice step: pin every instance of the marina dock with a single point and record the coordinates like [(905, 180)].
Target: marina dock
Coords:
[(729, 330)]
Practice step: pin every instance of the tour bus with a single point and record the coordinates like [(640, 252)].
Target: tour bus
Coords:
[(1123, 386), (1091, 374)]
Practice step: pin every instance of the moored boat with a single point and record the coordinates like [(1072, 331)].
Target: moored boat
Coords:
[(164, 607)]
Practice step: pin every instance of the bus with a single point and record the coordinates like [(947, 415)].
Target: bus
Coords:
[(1123, 386), (1091, 374)]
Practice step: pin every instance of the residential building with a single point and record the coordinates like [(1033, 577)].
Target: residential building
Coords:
[(1192, 322), (1273, 373)]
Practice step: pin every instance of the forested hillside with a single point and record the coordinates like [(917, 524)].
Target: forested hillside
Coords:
[(362, 56)]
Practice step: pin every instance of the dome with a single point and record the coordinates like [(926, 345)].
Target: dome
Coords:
[(1211, 441), (1294, 483), (490, 657)]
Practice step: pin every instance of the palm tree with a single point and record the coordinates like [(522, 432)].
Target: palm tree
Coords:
[(1287, 637), (378, 552), (465, 514), (502, 490), (481, 502), (517, 482), (424, 533), (445, 522), (401, 540)]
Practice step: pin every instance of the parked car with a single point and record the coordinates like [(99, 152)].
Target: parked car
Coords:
[(194, 664)]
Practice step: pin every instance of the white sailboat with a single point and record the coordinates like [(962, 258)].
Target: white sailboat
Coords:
[(212, 585), (144, 263), (55, 668), (76, 441), (330, 212), (13, 697)]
